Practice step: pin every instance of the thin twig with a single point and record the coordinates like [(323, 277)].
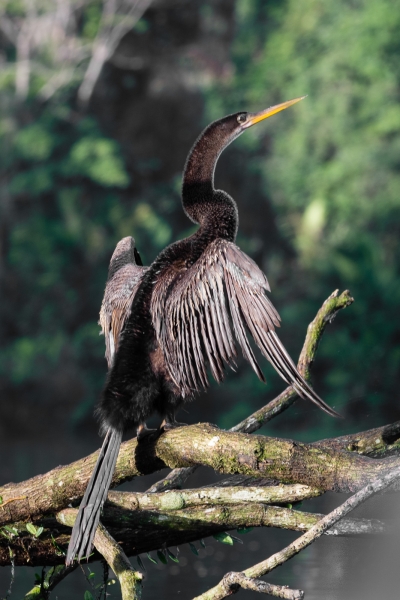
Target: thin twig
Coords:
[(3, 504), (49, 581), (219, 592), (57, 574), (12, 573)]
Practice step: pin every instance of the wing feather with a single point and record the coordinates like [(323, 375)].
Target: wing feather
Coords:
[(196, 315), (117, 301)]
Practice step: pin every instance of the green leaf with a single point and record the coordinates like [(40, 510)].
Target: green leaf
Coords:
[(193, 549), (289, 505), (224, 538), (11, 529), (172, 556), (88, 596), (152, 559), (5, 534), (1, 500), (243, 530), (31, 528), (35, 592), (36, 531), (162, 557), (38, 578), (91, 575)]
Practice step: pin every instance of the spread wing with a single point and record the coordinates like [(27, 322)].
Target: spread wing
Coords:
[(117, 301), (196, 314)]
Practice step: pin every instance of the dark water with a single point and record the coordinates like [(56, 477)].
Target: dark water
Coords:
[(332, 568)]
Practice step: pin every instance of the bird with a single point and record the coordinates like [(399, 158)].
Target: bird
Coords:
[(189, 305)]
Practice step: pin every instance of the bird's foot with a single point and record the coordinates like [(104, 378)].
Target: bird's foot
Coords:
[(170, 423), (143, 432)]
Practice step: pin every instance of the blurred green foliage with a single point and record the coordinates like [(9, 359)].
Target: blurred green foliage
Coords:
[(329, 167)]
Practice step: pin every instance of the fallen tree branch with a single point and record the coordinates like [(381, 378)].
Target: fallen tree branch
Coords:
[(219, 591), (284, 460), (140, 531)]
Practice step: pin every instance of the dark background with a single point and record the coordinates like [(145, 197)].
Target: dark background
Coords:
[(318, 195)]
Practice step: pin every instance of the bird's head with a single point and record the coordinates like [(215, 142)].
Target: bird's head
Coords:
[(125, 253), (198, 177), (230, 127)]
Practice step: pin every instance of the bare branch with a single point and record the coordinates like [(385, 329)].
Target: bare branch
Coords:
[(174, 480), (111, 31), (169, 526), (231, 583), (129, 579), (23, 67), (172, 500), (219, 591)]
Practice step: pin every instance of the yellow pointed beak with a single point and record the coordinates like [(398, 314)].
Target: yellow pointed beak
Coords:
[(253, 118)]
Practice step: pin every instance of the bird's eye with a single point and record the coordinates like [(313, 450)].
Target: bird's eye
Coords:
[(241, 118)]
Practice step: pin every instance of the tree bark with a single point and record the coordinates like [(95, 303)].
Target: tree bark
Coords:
[(140, 531), (286, 461)]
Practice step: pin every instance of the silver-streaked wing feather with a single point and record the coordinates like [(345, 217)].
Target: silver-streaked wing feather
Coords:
[(197, 314), (117, 301)]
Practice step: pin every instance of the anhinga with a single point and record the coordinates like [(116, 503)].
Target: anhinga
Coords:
[(186, 309)]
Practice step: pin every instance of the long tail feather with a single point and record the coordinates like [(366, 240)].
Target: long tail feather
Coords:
[(92, 502)]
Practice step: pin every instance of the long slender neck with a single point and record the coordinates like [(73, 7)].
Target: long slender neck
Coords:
[(212, 209)]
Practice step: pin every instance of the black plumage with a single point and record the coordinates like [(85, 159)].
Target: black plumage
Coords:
[(182, 316)]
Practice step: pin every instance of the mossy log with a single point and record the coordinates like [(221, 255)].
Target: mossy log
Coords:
[(286, 461)]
